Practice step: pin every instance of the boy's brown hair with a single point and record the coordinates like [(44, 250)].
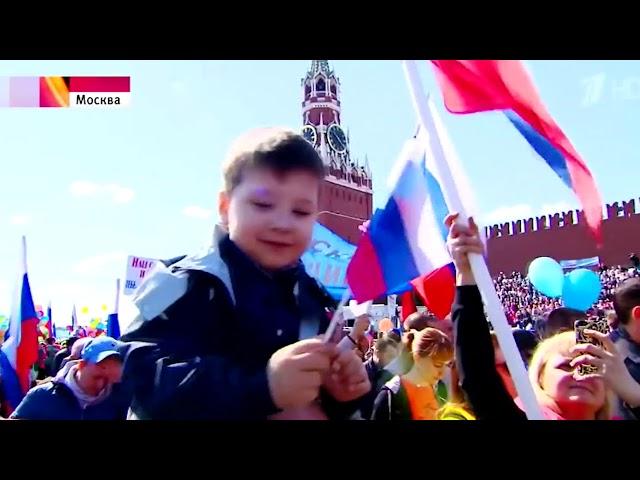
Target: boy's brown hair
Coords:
[(278, 149)]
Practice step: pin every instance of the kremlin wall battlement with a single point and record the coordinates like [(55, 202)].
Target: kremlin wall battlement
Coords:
[(564, 236)]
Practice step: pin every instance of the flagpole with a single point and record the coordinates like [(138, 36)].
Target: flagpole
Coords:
[(74, 319), (337, 316), (24, 253), (113, 325), (50, 326), (117, 304), (427, 114)]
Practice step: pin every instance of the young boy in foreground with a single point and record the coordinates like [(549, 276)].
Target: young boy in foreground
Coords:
[(233, 333)]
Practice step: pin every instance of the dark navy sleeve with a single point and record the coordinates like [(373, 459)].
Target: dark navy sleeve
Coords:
[(381, 410), (169, 380), (480, 381), (34, 405)]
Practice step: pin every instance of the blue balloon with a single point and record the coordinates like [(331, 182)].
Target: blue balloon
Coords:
[(581, 289), (546, 275)]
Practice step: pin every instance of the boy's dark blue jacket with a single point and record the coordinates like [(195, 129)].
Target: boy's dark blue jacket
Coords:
[(209, 324)]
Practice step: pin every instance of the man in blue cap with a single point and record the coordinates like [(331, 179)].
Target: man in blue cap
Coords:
[(83, 389)]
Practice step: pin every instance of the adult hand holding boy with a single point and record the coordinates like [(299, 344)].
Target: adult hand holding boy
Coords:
[(347, 380)]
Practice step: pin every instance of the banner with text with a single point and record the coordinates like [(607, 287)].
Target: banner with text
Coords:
[(568, 265), (327, 258), (137, 269)]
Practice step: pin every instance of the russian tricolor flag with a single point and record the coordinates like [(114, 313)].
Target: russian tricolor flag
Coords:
[(20, 350), (470, 86), (405, 243)]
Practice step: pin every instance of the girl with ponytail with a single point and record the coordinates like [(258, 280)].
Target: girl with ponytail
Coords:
[(412, 396)]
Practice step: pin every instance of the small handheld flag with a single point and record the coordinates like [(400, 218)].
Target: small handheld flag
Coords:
[(20, 349)]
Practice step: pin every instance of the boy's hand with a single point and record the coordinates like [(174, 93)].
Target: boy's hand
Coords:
[(348, 378), (295, 372)]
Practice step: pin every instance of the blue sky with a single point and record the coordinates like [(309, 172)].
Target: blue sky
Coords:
[(89, 187)]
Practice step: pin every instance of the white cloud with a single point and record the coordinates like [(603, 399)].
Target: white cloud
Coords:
[(523, 211), (65, 295), (550, 208), (118, 193), (20, 219), (195, 211), (100, 262), (83, 189), (503, 214)]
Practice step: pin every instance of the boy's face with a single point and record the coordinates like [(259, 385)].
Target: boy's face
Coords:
[(270, 216)]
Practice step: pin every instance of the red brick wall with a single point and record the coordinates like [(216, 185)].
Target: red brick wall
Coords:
[(564, 236), (346, 201)]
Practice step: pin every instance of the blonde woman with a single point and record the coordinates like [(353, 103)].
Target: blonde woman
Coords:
[(560, 391)]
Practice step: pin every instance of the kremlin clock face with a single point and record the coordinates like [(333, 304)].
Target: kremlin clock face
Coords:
[(337, 138), (310, 135)]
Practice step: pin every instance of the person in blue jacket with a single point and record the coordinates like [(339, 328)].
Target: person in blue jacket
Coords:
[(83, 390), (232, 333)]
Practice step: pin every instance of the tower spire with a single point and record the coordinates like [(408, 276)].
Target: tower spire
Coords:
[(318, 66), (347, 186)]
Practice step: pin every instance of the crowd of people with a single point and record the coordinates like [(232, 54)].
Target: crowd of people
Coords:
[(239, 331), (524, 305)]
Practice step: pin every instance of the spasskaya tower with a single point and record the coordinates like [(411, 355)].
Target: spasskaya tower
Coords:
[(346, 194)]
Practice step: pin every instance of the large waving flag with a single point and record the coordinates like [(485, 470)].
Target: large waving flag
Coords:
[(470, 86), (20, 350), (405, 243)]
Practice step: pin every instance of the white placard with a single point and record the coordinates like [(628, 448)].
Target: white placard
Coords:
[(392, 306), (137, 269), (377, 313)]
